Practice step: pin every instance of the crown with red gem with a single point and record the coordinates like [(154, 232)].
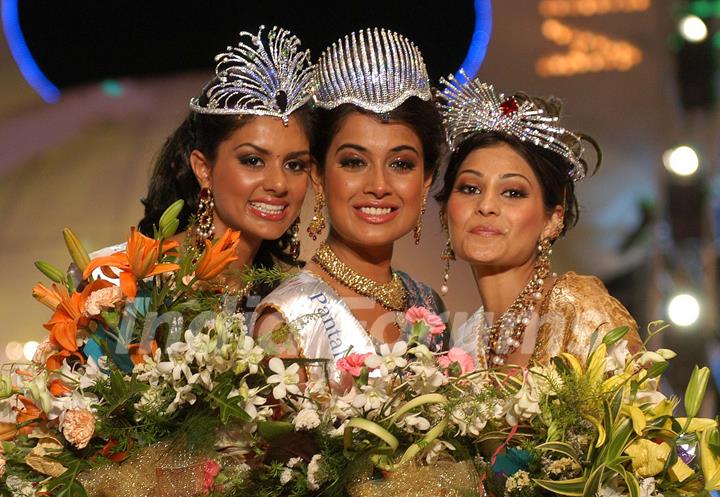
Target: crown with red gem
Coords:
[(474, 107), (259, 77)]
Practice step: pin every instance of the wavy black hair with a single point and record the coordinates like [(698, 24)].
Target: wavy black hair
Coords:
[(173, 178)]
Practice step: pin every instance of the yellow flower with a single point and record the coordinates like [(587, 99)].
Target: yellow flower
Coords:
[(648, 458)]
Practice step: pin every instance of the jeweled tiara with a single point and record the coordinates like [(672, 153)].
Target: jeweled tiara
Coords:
[(375, 69), (472, 106), (259, 77)]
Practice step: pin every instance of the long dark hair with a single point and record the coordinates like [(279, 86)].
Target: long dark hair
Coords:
[(551, 169), (422, 116), (173, 177)]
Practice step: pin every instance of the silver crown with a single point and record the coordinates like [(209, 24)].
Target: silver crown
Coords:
[(267, 79), (375, 69), (472, 106)]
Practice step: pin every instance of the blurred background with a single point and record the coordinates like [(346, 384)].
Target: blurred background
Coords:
[(90, 90)]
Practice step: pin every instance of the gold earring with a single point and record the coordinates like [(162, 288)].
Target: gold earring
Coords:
[(294, 239), (417, 230), (317, 224), (447, 255), (205, 229), (542, 264)]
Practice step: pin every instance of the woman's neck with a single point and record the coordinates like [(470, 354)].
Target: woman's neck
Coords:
[(371, 262), (499, 287)]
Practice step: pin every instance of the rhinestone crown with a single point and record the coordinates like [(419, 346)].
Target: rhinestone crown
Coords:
[(472, 106), (375, 69), (259, 77)]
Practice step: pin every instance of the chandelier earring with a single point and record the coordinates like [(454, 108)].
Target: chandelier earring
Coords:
[(204, 228), (317, 224), (447, 255), (417, 230), (294, 239)]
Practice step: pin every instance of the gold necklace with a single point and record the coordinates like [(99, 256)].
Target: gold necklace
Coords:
[(391, 295)]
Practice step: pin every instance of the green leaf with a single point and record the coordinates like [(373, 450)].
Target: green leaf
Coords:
[(228, 406), (657, 369), (631, 482), (67, 484), (561, 448), (618, 441), (613, 336), (270, 430), (592, 485), (572, 488)]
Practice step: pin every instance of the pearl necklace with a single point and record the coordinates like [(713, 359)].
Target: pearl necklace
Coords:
[(506, 333)]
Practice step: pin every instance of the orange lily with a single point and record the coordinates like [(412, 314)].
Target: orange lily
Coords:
[(217, 256), (48, 297), (137, 262), (68, 316), (138, 351), (29, 411), (8, 431), (55, 361), (58, 388)]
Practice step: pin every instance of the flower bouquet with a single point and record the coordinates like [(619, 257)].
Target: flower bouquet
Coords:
[(599, 428), (146, 382)]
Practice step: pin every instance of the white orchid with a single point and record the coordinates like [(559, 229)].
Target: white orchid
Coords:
[(389, 358), (249, 356), (251, 398), (371, 398), (414, 422), (617, 355), (435, 449), (285, 379)]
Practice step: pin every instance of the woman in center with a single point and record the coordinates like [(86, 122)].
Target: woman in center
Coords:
[(377, 147)]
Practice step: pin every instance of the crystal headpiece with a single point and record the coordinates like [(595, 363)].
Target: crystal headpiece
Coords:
[(375, 69), (266, 79), (472, 106)]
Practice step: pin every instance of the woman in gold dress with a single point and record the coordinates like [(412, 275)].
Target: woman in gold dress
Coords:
[(378, 141), (508, 194)]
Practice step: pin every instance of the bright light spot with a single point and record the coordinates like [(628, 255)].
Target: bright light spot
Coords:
[(29, 349), (693, 29), (14, 351), (681, 160), (684, 310)]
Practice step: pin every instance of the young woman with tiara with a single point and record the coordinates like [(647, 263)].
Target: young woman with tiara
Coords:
[(378, 141), (508, 194), (241, 158)]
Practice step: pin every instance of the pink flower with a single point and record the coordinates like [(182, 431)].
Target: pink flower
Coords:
[(353, 363), (210, 471), (78, 427), (456, 354), (432, 320)]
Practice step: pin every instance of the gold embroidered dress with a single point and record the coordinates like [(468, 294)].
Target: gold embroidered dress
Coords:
[(575, 307)]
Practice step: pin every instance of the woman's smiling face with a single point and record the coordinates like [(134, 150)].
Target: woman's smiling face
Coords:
[(373, 180), (496, 214), (259, 177)]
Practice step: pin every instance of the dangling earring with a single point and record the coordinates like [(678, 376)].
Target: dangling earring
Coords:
[(417, 230), (295, 240), (447, 255), (542, 264), (205, 229), (317, 224)]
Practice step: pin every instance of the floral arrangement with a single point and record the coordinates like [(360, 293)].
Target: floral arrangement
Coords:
[(151, 385), (598, 428)]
